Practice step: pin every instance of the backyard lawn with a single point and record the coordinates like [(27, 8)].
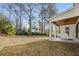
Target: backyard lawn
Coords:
[(42, 48)]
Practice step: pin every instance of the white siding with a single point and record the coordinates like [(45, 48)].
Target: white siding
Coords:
[(72, 31)]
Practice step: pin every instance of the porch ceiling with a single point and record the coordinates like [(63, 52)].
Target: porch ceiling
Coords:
[(68, 21)]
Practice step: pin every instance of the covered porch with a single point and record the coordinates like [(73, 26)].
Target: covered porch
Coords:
[(65, 25)]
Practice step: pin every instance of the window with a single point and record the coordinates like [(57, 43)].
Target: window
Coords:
[(67, 30)]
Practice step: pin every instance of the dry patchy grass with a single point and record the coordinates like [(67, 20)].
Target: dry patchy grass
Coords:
[(42, 48)]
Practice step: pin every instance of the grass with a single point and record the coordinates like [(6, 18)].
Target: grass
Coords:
[(42, 48)]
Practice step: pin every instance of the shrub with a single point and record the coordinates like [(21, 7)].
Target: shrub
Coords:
[(22, 32), (29, 32), (6, 27)]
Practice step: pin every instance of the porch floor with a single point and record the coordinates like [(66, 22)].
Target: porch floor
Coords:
[(66, 40)]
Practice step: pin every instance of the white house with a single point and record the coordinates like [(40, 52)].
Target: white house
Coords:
[(65, 25)]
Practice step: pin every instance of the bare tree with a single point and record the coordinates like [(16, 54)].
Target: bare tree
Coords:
[(43, 13), (16, 10), (47, 11), (51, 10), (29, 11), (26, 12), (40, 26), (21, 10)]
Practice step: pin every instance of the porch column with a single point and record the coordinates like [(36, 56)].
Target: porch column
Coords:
[(50, 36)]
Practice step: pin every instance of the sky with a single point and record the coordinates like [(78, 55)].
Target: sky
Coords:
[(63, 6), (60, 6)]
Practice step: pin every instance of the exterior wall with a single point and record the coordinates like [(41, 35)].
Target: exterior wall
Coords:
[(72, 31)]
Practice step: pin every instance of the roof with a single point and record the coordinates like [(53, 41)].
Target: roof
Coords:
[(69, 13)]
